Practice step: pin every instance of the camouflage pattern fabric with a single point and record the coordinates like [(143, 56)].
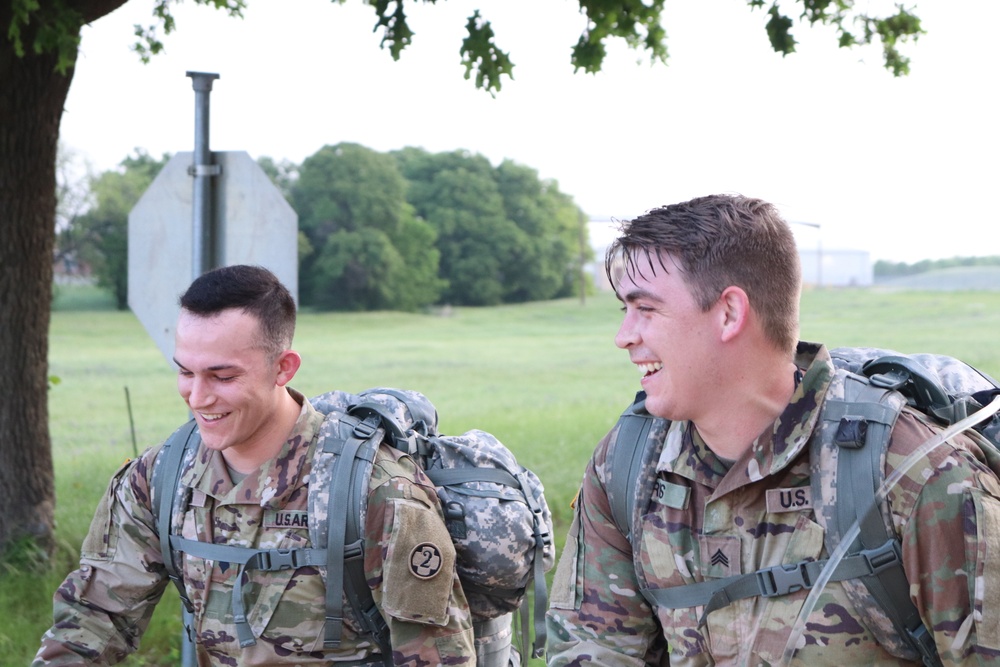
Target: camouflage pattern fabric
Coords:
[(493, 528), (492, 525), (103, 607), (950, 372), (495, 535), (706, 520)]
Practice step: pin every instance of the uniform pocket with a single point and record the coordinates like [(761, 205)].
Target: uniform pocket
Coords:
[(291, 613), (566, 581), (101, 541), (983, 549), (286, 608), (780, 613)]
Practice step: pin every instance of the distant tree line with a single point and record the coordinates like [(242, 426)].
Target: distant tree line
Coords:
[(885, 269), (97, 237), (380, 231)]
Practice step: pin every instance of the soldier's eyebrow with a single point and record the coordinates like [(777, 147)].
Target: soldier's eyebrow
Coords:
[(638, 293), (211, 369)]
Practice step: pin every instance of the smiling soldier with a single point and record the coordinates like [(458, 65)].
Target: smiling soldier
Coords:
[(713, 564), (246, 488)]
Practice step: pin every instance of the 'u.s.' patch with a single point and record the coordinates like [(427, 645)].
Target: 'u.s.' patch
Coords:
[(425, 560), (789, 500)]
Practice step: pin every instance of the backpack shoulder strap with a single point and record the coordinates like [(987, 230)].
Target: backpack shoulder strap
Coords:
[(166, 475), (855, 431), (165, 482), (628, 454), (634, 450), (354, 443)]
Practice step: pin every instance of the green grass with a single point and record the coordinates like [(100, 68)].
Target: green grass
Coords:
[(544, 377), (81, 297)]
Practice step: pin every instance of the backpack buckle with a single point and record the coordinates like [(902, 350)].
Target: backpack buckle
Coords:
[(367, 427), (783, 579), (278, 559), (885, 556), (852, 432)]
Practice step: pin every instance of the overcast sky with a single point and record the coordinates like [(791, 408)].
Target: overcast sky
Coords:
[(904, 168)]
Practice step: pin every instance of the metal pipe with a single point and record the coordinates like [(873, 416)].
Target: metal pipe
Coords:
[(203, 251)]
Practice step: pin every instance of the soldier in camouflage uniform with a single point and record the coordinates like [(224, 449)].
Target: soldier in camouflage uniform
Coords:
[(710, 290), (249, 483)]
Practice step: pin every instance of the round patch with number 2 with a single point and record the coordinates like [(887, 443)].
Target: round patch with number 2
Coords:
[(425, 560)]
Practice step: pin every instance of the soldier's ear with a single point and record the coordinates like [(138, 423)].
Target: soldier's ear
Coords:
[(733, 312), (288, 365)]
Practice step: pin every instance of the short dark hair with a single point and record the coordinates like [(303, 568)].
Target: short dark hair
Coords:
[(718, 241), (254, 290)]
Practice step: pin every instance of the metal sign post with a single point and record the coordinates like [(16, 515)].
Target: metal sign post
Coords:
[(202, 253), (205, 231)]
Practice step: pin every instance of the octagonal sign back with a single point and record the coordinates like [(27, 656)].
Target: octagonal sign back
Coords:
[(256, 226)]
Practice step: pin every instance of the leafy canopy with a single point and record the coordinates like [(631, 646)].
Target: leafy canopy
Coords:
[(366, 249), (54, 27), (504, 234), (639, 22)]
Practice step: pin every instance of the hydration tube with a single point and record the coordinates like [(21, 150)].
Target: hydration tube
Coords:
[(852, 534)]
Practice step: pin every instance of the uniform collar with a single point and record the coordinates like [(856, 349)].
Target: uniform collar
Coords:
[(772, 451), (273, 482)]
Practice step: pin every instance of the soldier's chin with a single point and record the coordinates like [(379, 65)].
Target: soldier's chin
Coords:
[(661, 409), (218, 444)]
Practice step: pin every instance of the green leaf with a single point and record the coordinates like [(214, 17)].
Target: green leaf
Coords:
[(480, 52), (779, 31)]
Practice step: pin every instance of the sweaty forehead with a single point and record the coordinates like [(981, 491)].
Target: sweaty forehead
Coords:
[(224, 338), (640, 266), (234, 322), (639, 263)]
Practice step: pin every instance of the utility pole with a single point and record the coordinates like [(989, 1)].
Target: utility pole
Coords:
[(205, 244)]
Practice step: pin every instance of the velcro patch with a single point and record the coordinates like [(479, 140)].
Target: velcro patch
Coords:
[(672, 495), (425, 560), (286, 519), (795, 499), (720, 556), (419, 548), (198, 498)]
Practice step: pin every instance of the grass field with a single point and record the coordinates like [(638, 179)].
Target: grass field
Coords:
[(544, 377)]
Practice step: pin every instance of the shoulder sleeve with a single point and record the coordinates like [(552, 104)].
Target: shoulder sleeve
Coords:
[(597, 615), (410, 565), (947, 510), (101, 609)]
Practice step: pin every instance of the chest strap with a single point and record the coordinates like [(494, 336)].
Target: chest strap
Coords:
[(269, 560), (768, 582)]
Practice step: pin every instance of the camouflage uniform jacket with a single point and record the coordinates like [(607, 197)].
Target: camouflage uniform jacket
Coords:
[(707, 522), (102, 608)]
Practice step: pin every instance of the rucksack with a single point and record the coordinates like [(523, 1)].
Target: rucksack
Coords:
[(495, 512), (855, 433)]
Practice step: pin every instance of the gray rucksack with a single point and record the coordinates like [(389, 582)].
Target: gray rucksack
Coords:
[(495, 511), (856, 431)]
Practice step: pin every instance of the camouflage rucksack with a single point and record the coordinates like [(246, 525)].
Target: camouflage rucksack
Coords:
[(495, 511), (853, 437)]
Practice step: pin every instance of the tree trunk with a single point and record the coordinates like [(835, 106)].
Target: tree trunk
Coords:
[(32, 95)]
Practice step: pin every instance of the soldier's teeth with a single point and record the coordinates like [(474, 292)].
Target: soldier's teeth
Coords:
[(646, 369), (210, 418)]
